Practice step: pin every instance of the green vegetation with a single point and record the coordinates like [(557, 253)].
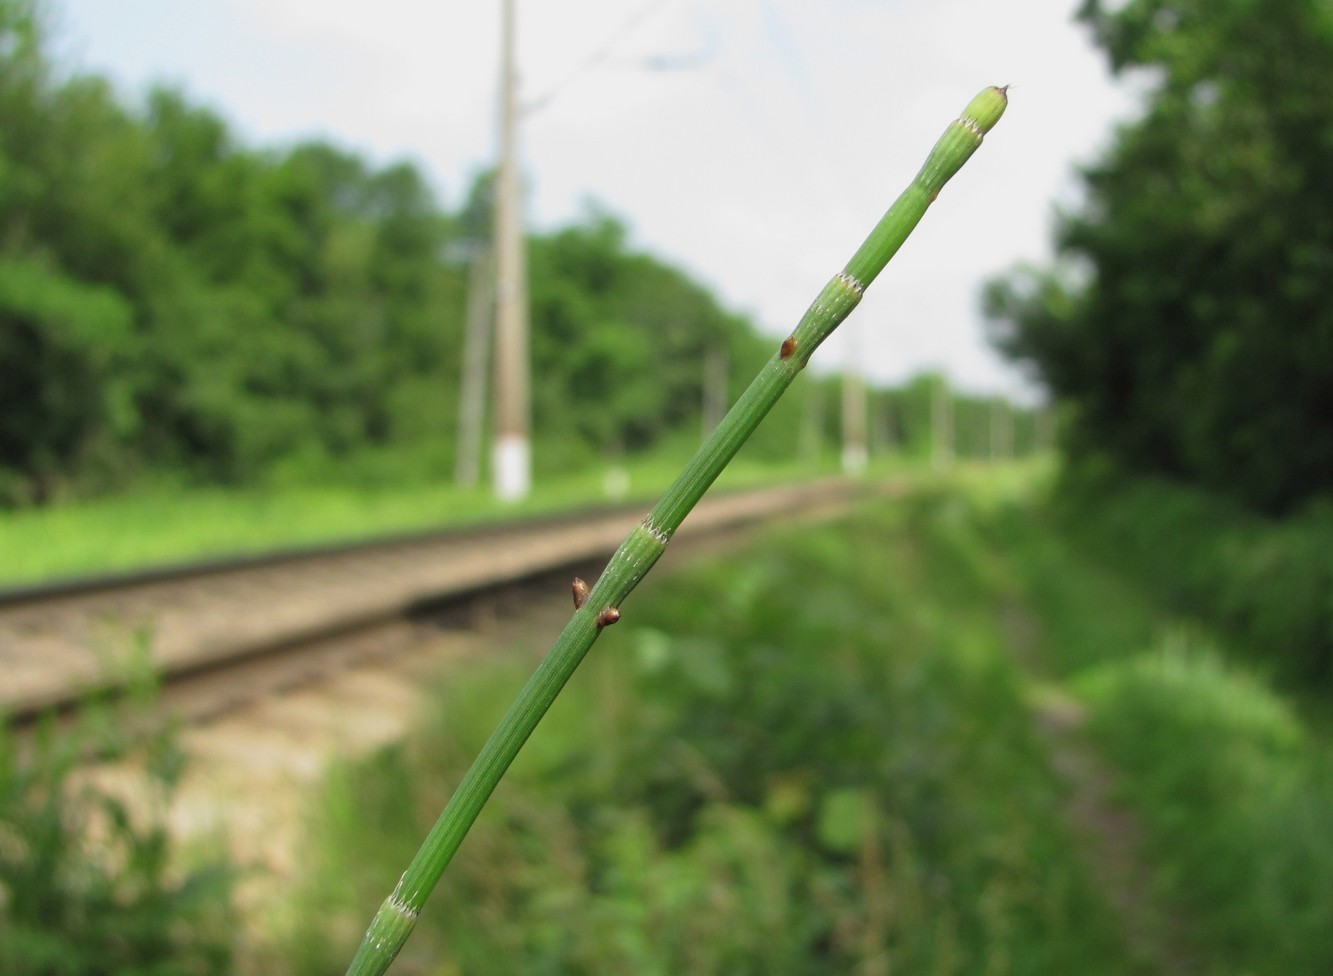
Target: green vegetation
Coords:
[(597, 607), (1186, 330), (821, 753), (832, 753), (1236, 799), (179, 311), (90, 881), (151, 528), (176, 306), (1268, 583), (750, 783), (383, 493), (855, 780), (1188, 325)]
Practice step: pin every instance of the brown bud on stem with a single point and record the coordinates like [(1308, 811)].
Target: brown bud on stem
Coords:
[(581, 591)]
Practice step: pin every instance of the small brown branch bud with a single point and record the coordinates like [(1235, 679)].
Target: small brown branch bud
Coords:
[(788, 347), (581, 591), (607, 617)]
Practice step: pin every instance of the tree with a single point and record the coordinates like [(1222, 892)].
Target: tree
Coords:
[(170, 299), (68, 220), (619, 340), (65, 399), (174, 302), (1189, 320)]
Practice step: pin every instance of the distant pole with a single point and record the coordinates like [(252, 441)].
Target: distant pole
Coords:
[(811, 442), (854, 452), (472, 389), (941, 422), (884, 434), (1001, 430), (511, 470), (716, 367), (1044, 429)]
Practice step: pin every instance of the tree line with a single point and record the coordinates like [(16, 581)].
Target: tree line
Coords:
[(174, 304), (174, 301), (1186, 327)]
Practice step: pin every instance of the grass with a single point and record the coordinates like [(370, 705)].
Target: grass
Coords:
[(741, 782), (1267, 583), (1224, 759), (165, 526), (1237, 800), (91, 879)]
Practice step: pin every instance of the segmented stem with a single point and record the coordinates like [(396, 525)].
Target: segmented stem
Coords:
[(600, 607)]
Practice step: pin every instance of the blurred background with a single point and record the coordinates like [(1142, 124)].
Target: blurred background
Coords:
[(310, 189), (288, 271)]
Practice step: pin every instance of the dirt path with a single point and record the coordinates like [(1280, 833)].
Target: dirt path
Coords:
[(1109, 837), (1107, 832)]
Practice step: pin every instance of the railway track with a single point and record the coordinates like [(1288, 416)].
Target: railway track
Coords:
[(223, 634)]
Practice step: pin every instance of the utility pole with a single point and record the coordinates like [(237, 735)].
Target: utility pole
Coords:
[(1043, 435), (476, 356), (1001, 430), (941, 423), (884, 432), (854, 451), (716, 367), (810, 444), (511, 468)]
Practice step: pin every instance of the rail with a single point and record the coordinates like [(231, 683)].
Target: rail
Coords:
[(266, 621)]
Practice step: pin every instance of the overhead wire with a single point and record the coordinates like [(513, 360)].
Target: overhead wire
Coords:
[(599, 55)]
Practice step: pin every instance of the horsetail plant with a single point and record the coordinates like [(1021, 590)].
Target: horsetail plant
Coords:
[(597, 607)]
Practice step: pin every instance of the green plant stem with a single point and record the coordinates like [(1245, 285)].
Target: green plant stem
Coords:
[(646, 543)]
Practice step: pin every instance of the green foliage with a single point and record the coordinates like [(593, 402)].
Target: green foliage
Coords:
[(1238, 805), (624, 337), (64, 396), (1268, 584), (752, 783), (1070, 611), (171, 301), (818, 756), (177, 306), (1189, 322), (90, 883), (375, 494)]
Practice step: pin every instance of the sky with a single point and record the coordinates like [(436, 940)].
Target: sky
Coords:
[(753, 143)]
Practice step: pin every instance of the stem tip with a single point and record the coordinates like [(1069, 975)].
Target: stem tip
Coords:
[(985, 110)]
